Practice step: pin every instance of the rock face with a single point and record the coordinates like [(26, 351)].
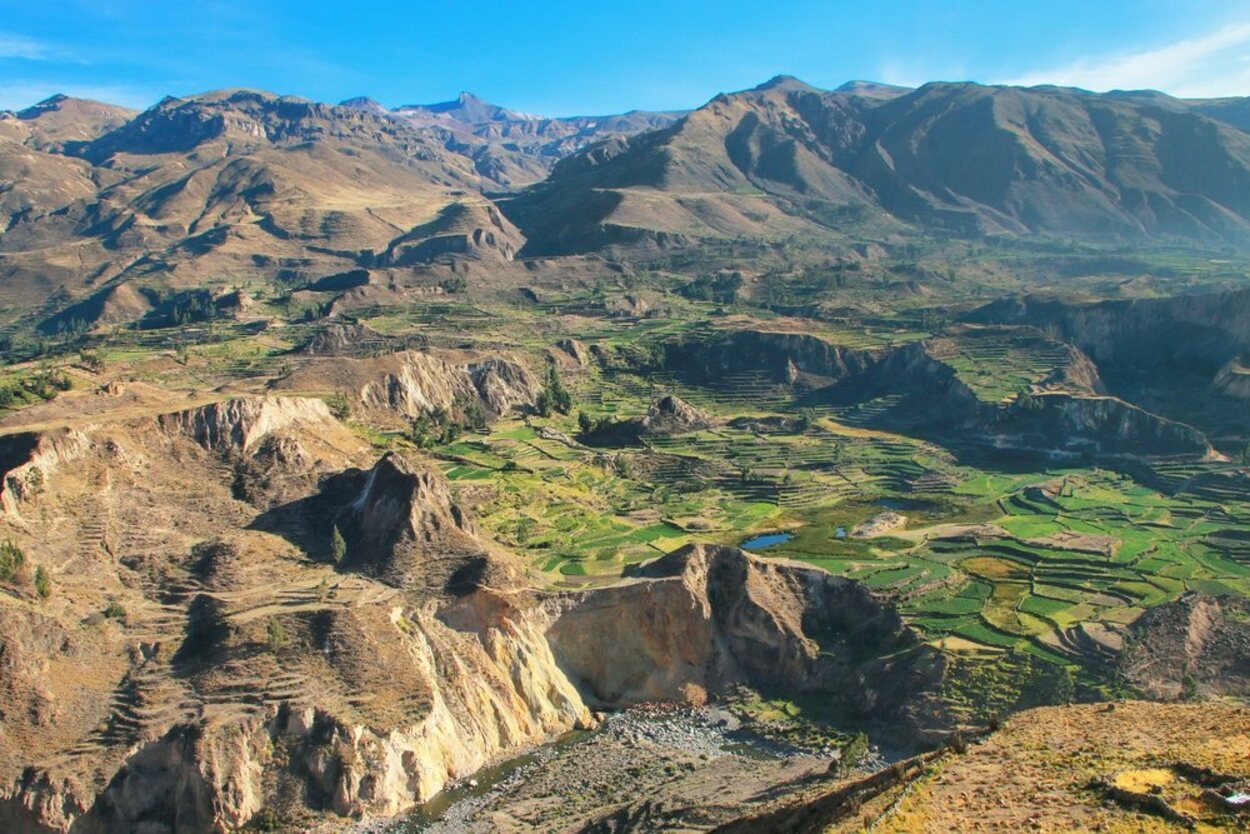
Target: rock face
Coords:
[(1189, 330), (343, 340), (1064, 411), (413, 383), (402, 523), (1197, 645), (239, 425), (27, 459), (704, 618), (575, 350), (504, 385), (1233, 380), (786, 357), (673, 415)]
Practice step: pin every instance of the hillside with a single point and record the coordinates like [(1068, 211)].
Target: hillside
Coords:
[(238, 187), (785, 158), (228, 188)]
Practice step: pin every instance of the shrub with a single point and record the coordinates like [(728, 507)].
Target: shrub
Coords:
[(91, 360), (11, 560), (853, 752), (43, 583), (114, 611), (275, 635), (339, 406), (268, 820), (338, 545)]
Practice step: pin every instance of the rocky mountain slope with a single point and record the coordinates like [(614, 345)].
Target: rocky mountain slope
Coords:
[(510, 147), (785, 158), (239, 186)]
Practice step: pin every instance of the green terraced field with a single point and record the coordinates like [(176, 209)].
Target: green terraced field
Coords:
[(992, 564)]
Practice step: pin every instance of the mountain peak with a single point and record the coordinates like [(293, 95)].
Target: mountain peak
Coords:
[(785, 82), (363, 103), (61, 103), (872, 89), (470, 109)]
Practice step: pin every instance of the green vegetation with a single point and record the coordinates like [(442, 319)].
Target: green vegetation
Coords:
[(554, 396), (11, 561), (1012, 567), (339, 406), (338, 546), (43, 583), (275, 635)]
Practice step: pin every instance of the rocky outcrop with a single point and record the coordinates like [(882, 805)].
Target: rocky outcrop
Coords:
[(1189, 331), (1198, 645), (667, 416), (673, 415), (705, 618), (1095, 425), (786, 357), (28, 458), (401, 521), (239, 425), (412, 383), (504, 385), (1060, 414), (575, 350), (1233, 380), (419, 385), (343, 340)]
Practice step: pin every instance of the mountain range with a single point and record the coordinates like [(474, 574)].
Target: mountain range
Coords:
[(237, 186)]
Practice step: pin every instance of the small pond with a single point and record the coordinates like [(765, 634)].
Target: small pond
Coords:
[(766, 540)]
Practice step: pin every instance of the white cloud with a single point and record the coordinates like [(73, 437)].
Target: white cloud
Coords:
[(17, 46), (1214, 64)]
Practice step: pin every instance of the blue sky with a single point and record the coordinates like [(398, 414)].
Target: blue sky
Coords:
[(565, 58)]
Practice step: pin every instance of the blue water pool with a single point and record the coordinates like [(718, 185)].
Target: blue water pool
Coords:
[(766, 540)]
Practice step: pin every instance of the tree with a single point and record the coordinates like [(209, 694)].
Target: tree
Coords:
[(853, 752), (11, 560), (338, 546), (275, 635), (1063, 689), (43, 583), (585, 422), (474, 415), (554, 396), (542, 404)]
